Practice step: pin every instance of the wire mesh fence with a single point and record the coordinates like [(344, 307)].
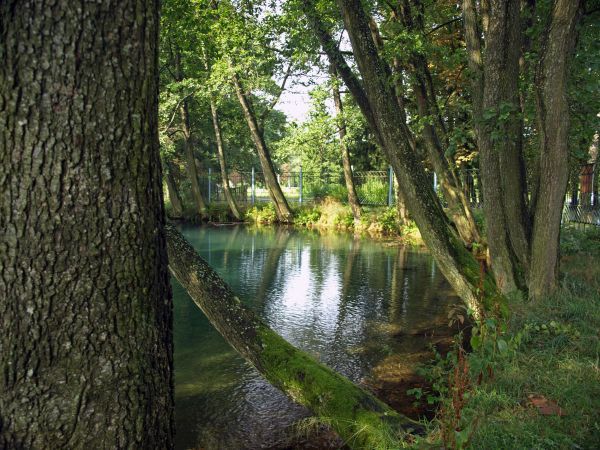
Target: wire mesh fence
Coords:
[(374, 188)]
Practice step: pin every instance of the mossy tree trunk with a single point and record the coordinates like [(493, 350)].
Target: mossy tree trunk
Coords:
[(341, 124), (85, 303), (359, 418), (284, 213)]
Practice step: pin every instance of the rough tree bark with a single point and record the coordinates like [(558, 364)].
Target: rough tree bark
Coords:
[(284, 213), (359, 418), (495, 94), (85, 306), (553, 127), (341, 124), (221, 155), (524, 256)]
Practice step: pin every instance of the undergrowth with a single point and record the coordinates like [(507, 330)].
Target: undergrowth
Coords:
[(549, 349)]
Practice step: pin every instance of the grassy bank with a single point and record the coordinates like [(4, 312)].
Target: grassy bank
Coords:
[(330, 214), (549, 356)]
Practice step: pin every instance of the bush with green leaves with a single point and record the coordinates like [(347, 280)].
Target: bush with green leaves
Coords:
[(263, 214)]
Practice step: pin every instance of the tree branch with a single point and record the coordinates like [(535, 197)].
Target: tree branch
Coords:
[(434, 29), (337, 60), (177, 108), (267, 111)]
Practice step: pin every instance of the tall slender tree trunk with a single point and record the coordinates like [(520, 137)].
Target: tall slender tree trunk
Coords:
[(341, 123), (190, 161), (401, 208), (284, 213), (553, 126), (174, 196), (85, 303), (221, 155)]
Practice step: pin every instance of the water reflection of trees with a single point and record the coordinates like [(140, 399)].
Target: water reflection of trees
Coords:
[(352, 304)]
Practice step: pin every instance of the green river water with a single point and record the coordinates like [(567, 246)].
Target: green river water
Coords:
[(353, 303)]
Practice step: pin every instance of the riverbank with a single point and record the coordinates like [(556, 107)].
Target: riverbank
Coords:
[(541, 387), (329, 214)]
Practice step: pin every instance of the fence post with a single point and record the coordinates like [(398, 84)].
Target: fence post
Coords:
[(253, 186), (300, 186), (390, 186), (209, 183)]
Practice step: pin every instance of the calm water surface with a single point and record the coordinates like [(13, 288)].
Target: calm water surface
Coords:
[(344, 300)]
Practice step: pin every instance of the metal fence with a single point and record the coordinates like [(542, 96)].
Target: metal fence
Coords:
[(375, 188)]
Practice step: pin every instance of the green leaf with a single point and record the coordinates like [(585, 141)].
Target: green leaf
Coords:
[(502, 346), (475, 342)]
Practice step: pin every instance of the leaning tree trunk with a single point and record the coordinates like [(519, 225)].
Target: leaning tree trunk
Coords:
[(380, 108), (348, 176), (284, 213), (221, 155), (85, 305), (458, 205), (553, 127), (434, 131), (360, 419)]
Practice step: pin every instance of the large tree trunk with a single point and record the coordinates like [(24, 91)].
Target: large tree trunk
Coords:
[(380, 107), (284, 213), (221, 155), (360, 419), (85, 307), (341, 123), (499, 134), (553, 127)]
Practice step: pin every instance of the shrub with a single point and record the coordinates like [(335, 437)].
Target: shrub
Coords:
[(335, 214), (307, 216), (264, 214)]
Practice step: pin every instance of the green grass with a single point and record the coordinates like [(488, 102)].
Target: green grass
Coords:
[(556, 354)]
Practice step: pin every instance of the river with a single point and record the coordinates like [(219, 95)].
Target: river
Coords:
[(358, 305)]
